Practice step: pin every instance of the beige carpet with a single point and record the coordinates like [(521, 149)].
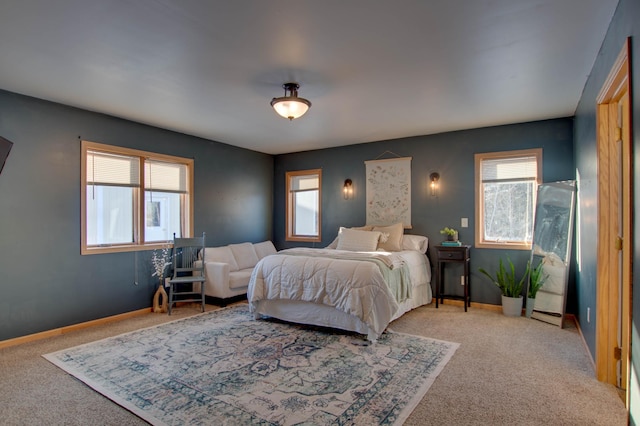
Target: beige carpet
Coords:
[(511, 371)]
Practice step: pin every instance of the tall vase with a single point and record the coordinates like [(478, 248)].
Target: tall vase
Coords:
[(160, 307), (512, 306)]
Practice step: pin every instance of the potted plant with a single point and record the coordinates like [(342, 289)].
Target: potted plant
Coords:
[(452, 234), (510, 288), (536, 281)]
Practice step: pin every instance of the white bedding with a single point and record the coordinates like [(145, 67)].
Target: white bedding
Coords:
[(336, 288)]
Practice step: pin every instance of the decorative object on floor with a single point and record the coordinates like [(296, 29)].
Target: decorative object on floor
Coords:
[(389, 191), (290, 105), (223, 366), (160, 300), (510, 287), (160, 259)]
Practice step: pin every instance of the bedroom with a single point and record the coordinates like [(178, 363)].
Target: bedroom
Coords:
[(240, 196)]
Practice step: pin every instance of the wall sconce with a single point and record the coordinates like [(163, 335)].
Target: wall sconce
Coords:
[(347, 189), (434, 178)]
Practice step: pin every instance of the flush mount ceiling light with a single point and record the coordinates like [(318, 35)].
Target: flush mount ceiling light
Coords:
[(290, 105)]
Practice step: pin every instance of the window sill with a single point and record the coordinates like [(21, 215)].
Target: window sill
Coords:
[(503, 246), (124, 248)]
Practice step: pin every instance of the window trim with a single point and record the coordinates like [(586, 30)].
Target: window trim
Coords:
[(289, 207), (480, 242), (139, 243)]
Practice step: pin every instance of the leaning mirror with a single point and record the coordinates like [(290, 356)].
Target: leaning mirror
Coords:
[(551, 252)]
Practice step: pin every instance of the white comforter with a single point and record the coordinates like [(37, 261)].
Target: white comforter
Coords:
[(350, 285)]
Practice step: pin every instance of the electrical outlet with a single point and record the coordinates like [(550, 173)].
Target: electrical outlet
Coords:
[(464, 222), (461, 279)]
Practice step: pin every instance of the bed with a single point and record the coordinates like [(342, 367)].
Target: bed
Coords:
[(359, 287)]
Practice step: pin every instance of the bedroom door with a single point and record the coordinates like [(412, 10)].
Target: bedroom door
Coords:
[(615, 203)]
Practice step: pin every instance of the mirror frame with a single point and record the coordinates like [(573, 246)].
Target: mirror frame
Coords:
[(556, 318)]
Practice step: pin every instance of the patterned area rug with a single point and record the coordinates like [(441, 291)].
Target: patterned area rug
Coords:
[(225, 368)]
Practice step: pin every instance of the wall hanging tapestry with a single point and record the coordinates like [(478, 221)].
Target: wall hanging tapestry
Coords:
[(389, 191), (223, 367)]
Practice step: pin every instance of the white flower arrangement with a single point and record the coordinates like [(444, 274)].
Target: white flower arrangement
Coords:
[(160, 261)]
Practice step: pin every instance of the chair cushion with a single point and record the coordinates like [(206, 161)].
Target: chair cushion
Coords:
[(222, 255), (244, 254), (264, 249)]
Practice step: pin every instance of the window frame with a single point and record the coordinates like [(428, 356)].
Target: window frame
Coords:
[(480, 241), (290, 236), (139, 243)]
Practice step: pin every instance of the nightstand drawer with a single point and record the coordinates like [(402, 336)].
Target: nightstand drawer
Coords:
[(451, 254)]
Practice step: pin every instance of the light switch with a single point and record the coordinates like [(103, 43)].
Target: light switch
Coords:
[(464, 222)]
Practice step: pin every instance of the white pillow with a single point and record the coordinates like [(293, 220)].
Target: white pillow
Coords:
[(415, 242), (334, 243), (356, 240), (391, 237)]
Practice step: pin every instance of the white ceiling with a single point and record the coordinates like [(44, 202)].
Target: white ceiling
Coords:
[(373, 69)]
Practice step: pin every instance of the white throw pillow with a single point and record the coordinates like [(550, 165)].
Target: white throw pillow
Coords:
[(244, 254), (356, 240), (334, 243), (264, 249), (415, 242), (391, 238)]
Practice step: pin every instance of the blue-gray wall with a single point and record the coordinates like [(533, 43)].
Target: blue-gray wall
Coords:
[(44, 281), (625, 23), (451, 155)]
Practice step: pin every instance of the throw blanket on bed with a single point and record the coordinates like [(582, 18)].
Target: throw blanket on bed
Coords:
[(352, 285)]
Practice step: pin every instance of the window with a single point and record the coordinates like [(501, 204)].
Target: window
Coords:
[(133, 200), (303, 205), (506, 187)]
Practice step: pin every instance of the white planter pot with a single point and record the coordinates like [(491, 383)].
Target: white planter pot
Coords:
[(512, 306)]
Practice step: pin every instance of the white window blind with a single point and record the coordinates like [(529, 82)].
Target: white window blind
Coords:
[(165, 177), (305, 183), (509, 169), (112, 170)]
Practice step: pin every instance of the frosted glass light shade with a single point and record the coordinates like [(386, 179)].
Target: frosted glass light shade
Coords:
[(290, 105)]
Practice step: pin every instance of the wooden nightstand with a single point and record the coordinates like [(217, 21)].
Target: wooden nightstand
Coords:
[(447, 254)]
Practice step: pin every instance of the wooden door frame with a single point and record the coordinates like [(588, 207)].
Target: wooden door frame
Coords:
[(608, 294)]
